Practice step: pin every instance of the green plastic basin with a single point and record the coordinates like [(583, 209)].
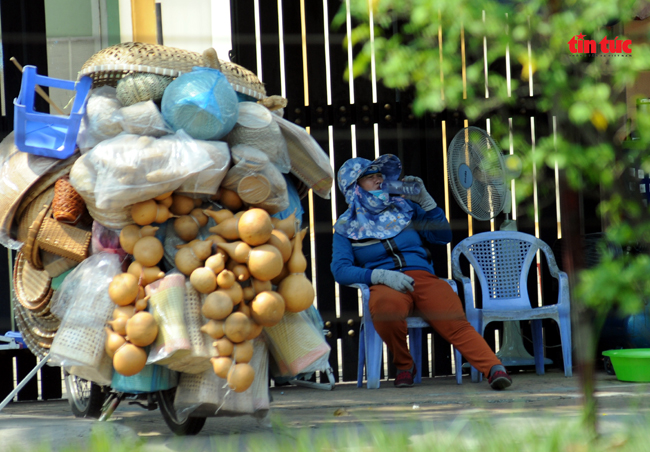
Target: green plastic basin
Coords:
[(632, 364)]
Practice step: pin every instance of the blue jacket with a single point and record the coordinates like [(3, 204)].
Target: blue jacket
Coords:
[(353, 261)]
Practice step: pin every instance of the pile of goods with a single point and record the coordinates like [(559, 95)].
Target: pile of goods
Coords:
[(170, 239)]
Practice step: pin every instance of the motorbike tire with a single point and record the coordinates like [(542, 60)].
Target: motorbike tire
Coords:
[(86, 398), (180, 426)]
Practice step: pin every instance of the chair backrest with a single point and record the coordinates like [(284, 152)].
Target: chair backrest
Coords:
[(502, 260)]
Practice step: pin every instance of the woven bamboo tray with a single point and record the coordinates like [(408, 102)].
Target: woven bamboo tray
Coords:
[(38, 345), (110, 65), (31, 286)]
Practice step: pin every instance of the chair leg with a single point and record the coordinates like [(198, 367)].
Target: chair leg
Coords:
[(565, 337), (459, 366), (373, 353), (415, 345), (538, 346), (361, 362), (477, 323)]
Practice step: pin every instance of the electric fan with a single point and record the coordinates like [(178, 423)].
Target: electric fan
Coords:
[(479, 178), (478, 175)]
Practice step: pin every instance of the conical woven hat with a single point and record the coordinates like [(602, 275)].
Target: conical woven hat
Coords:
[(109, 65)]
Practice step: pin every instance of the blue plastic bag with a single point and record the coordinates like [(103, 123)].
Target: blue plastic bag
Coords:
[(201, 102)]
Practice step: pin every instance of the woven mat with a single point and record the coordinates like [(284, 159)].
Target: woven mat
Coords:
[(111, 64)]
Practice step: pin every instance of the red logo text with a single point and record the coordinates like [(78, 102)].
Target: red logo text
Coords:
[(578, 44)]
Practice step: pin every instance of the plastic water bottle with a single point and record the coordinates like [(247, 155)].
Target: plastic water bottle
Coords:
[(397, 187)]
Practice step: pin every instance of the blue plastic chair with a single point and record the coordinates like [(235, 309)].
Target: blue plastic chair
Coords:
[(42, 133), (501, 261), (371, 345)]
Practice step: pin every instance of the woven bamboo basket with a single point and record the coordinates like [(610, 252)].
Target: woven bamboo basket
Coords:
[(62, 239), (110, 65), (67, 204)]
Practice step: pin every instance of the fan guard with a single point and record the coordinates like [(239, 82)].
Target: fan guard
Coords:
[(477, 173)]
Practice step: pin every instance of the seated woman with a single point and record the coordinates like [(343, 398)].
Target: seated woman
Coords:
[(378, 242)]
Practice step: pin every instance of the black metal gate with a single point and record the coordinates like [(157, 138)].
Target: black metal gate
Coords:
[(303, 59)]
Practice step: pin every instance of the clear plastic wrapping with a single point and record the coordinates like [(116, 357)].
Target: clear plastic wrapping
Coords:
[(142, 118), (106, 240), (255, 127), (132, 168), (198, 360), (83, 305), (83, 178), (296, 345), (256, 180), (171, 240), (207, 182), (208, 395), (99, 124), (309, 162), (166, 302)]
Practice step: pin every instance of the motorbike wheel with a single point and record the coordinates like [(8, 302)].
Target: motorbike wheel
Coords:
[(180, 425), (85, 397)]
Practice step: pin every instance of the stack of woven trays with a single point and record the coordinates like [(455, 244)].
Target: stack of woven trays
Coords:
[(33, 292)]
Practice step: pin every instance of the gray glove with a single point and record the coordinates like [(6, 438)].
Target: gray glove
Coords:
[(423, 198), (393, 279)]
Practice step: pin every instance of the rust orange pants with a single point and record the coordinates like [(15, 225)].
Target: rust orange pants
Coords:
[(437, 303)]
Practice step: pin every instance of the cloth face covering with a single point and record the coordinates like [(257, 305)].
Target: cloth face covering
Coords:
[(369, 216)]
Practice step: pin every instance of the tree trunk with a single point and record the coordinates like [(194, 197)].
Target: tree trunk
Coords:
[(582, 317)]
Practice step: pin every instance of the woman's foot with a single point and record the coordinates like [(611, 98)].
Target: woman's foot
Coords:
[(499, 378), (404, 378)]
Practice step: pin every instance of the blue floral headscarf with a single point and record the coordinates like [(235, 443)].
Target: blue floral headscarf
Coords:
[(369, 216)]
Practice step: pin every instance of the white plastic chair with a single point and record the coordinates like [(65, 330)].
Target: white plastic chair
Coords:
[(502, 260), (370, 344)]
